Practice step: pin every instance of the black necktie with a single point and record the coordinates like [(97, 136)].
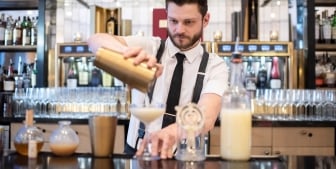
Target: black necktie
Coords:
[(174, 90)]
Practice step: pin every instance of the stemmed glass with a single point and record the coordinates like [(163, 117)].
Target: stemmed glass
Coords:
[(260, 103), (18, 98), (147, 113)]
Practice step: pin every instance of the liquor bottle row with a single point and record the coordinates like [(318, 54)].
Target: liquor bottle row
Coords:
[(325, 69), (81, 72), (263, 73), (18, 32), (325, 27), (22, 76)]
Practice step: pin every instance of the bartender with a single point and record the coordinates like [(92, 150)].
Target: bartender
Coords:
[(185, 72)]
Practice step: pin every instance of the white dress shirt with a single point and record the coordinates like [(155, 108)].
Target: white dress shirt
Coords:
[(215, 80)]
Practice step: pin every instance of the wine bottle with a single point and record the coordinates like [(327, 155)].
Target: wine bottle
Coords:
[(26, 31), (321, 32), (250, 78), (96, 77), (253, 26), (333, 28), (2, 29), (9, 32), (112, 24), (71, 81), (326, 27), (275, 78), (33, 32), (33, 74), (83, 78), (317, 28), (1, 78), (9, 78), (262, 75), (107, 79), (19, 77), (17, 39)]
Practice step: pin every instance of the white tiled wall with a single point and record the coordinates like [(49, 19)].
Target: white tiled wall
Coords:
[(73, 17)]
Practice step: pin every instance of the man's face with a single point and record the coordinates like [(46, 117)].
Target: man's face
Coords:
[(185, 25)]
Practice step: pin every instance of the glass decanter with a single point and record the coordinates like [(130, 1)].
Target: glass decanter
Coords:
[(27, 133), (236, 116), (63, 140)]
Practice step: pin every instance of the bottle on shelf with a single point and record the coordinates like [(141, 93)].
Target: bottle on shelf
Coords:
[(17, 32), (236, 106), (329, 71), (326, 26), (33, 31), (333, 28), (26, 31), (33, 73), (275, 78), (262, 74), (9, 81), (253, 26), (321, 32), (112, 24), (9, 32), (27, 71), (19, 76), (83, 73), (1, 78), (317, 28), (2, 29), (117, 82), (107, 79), (96, 77), (72, 76), (250, 78)]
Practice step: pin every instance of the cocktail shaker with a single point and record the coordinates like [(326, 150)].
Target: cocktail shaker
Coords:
[(114, 63), (102, 134)]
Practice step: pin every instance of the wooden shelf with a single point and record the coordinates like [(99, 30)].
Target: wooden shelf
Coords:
[(30, 48), (330, 3), (325, 47)]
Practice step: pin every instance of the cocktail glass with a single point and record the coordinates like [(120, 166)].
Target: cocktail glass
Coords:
[(147, 113)]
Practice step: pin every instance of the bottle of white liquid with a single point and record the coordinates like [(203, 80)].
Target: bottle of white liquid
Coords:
[(236, 116)]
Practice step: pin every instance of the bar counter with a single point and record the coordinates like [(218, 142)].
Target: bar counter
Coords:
[(255, 122), (120, 161)]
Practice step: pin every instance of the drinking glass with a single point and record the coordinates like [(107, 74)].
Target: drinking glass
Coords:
[(147, 113), (281, 109), (259, 110), (328, 105), (298, 104), (18, 98), (270, 102)]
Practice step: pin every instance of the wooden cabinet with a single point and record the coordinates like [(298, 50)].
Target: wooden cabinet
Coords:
[(83, 133), (261, 141), (285, 140), (303, 140)]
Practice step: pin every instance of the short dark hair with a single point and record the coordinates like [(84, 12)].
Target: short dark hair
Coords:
[(202, 4)]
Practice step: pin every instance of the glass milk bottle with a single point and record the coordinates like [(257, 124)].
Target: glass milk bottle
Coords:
[(236, 116)]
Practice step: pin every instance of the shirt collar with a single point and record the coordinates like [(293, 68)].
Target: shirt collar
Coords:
[(191, 54)]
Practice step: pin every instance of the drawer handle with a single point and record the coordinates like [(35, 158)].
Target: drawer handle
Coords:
[(42, 129), (266, 152), (277, 152), (310, 134)]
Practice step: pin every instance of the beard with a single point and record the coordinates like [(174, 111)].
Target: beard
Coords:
[(184, 42)]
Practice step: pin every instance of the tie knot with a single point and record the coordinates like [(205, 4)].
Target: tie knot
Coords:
[(180, 57)]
